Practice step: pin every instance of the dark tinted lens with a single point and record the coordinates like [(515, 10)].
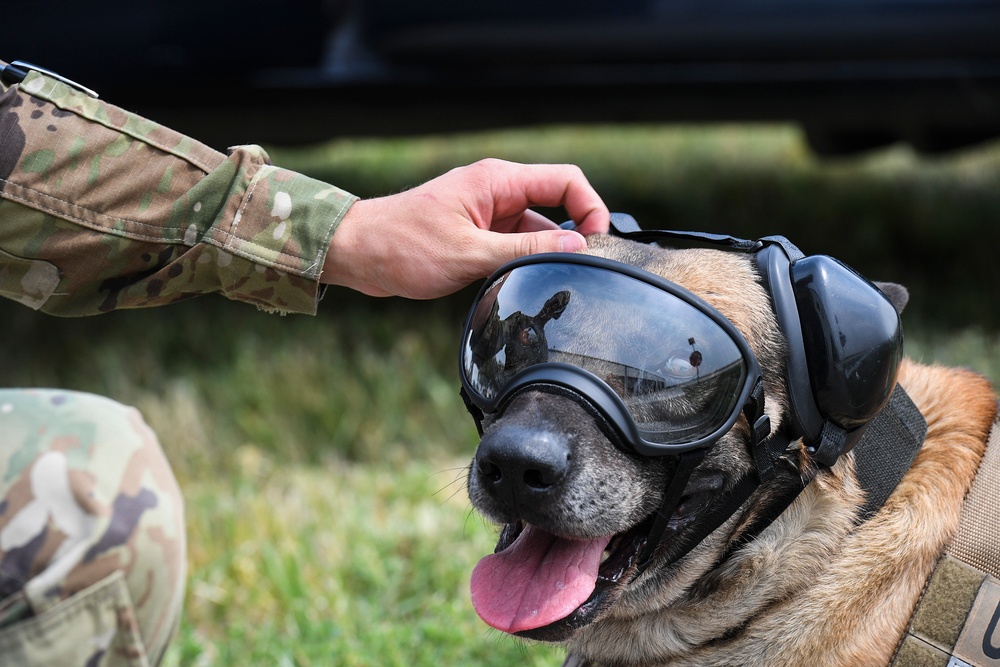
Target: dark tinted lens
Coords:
[(678, 372)]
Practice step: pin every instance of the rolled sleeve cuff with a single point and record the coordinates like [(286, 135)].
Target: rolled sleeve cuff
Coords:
[(283, 223)]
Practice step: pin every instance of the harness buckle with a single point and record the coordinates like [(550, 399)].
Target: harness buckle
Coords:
[(832, 443)]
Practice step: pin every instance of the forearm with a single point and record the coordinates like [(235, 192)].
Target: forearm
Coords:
[(102, 209)]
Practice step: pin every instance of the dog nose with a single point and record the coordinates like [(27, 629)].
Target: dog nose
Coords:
[(522, 462)]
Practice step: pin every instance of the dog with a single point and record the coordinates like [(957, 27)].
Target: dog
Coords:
[(814, 587)]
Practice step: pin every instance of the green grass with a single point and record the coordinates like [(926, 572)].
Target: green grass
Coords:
[(337, 565), (368, 381), (323, 458)]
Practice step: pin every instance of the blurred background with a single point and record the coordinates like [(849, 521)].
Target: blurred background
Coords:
[(853, 73), (323, 458)]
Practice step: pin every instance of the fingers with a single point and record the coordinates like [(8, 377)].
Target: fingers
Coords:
[(498, 249), (565, 185), (519, 186), (533, 221)]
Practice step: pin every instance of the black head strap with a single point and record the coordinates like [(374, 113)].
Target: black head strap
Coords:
[(474, 410), (686, 464), (625, 226)]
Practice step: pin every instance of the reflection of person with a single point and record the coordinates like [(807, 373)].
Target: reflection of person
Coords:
[(500, 348), (101, 210)]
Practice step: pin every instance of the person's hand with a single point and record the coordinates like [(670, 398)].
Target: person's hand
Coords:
[(442, 235)]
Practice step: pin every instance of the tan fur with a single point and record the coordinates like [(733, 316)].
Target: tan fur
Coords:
[(865, 598)]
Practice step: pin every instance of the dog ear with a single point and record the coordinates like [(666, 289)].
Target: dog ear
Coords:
[(898, 295), (554, 307)]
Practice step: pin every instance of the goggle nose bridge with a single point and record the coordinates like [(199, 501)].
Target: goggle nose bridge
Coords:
[(576, 383)]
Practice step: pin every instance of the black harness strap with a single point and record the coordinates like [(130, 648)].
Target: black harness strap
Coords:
[(886, 450), (881, 458)]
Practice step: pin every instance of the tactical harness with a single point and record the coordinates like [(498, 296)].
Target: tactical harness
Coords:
[(955, 621)]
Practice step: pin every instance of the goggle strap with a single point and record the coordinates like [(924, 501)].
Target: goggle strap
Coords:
[(477, 414), (728, 504), (731, 502), (754, 407), (767, 515), (658, 235), (753, 410), (768, 452), (832, 443), (671, 499), (626, 227)]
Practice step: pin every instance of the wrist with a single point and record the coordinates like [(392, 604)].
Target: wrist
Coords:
[(351, 254)]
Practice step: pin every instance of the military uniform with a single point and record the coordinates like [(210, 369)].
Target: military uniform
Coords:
[(101, 209)]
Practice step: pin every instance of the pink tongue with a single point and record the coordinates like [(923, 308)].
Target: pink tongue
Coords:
[(536, 581)]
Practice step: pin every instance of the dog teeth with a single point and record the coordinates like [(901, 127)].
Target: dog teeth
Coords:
[(612, 547), (508, 535)]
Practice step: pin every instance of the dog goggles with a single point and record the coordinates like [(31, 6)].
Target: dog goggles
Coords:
[(665, 368)]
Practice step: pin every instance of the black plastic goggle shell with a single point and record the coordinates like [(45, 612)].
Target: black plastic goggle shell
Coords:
[(667, 370)]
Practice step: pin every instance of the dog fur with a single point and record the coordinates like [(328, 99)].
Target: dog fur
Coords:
[(813, 588)]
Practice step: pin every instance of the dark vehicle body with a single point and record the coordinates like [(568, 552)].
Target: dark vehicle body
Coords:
[(854, 73)]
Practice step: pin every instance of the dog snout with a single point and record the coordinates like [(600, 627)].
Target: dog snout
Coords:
[(522, 463)]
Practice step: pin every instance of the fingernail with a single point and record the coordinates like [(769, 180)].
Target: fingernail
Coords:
[(572, 243)]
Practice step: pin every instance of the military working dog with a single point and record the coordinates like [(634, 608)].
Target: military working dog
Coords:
[(817, 584)]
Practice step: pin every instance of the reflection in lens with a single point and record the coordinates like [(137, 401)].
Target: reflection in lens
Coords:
[(501, 345)]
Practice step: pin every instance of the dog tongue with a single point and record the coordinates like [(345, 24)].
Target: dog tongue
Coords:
[(536, 581)]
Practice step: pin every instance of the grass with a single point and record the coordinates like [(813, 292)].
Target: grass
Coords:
[(359, 565), (322, 458)]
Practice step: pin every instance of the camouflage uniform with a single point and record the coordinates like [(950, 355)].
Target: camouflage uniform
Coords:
[(101, 209), (92, 559)]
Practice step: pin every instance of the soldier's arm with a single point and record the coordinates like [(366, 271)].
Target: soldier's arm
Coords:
[(101, 209)]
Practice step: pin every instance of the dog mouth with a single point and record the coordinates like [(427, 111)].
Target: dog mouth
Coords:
[(538, 585), (541, 586)]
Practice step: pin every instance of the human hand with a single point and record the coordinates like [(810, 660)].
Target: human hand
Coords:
[(440, 236)]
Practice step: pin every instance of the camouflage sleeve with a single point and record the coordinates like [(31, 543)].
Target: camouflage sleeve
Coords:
[(101, 209)]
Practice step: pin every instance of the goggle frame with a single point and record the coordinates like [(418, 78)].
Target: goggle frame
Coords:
[(597, 392)]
